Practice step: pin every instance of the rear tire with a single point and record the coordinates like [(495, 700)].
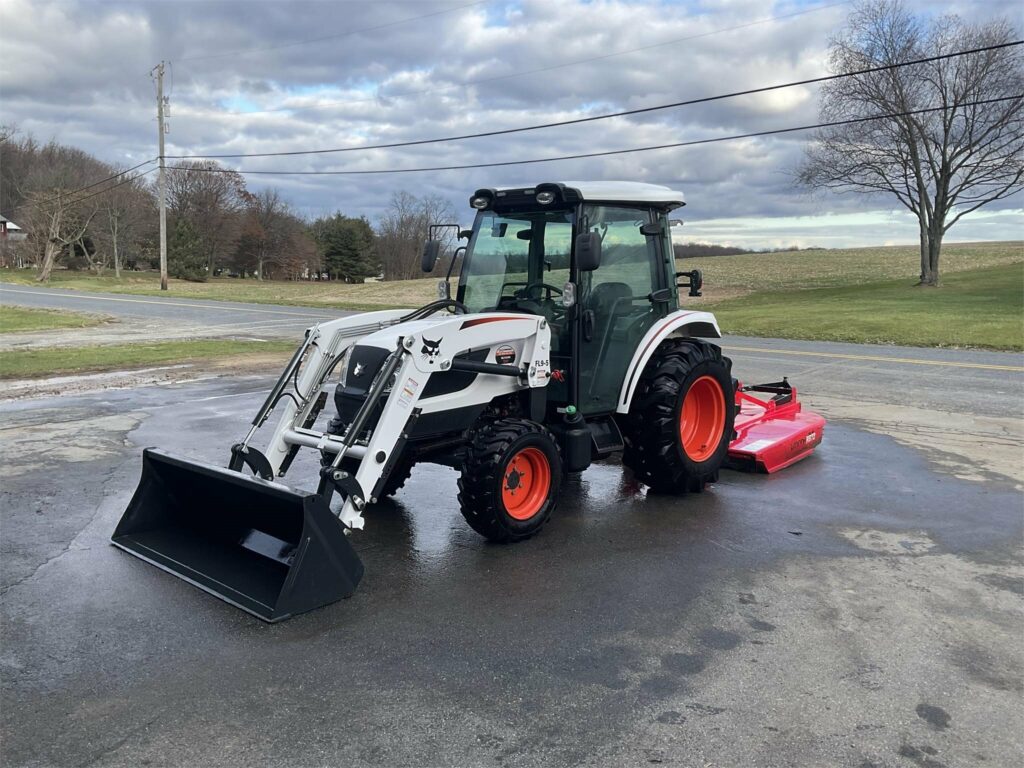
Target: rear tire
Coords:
[(680, 422), (510, 480)]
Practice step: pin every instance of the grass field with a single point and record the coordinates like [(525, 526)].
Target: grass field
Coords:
[(402, 293), (29, 363), (18, 319), (725, 277), (975, 308)]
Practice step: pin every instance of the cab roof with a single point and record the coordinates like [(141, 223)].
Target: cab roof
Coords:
[(588, 191), (626, 191)]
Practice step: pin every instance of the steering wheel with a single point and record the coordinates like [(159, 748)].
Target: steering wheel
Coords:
[(524, 292), (552, 310)]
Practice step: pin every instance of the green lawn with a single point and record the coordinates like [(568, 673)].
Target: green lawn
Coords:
[(48, 361), (14, 319), (973, 308)]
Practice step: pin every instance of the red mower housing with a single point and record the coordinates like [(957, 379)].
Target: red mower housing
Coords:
[(772, 432)]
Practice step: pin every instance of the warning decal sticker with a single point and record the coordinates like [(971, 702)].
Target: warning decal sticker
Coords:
[(409, 389)]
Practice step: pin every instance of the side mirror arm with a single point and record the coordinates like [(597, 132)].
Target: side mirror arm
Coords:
[(695, 284)]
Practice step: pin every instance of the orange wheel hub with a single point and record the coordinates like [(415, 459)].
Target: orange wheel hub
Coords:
[(702, 418), (526, 483)]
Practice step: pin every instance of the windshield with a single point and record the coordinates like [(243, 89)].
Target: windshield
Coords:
[(512, 254)]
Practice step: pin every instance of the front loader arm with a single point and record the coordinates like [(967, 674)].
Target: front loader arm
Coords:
[(519, 358), (296, 394)]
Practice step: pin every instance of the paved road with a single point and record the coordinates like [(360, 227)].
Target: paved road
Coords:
[(861, 608), (227, 317)]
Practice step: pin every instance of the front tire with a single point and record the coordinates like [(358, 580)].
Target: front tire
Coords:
[(510, 480), (680, 422)]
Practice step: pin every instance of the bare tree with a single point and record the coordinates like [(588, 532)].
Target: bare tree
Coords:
[(55, 215), (17, 156), (127, 207), (211, 197), (403, 229), (299, 256), (264, 229), (941, 165), (59, 223)]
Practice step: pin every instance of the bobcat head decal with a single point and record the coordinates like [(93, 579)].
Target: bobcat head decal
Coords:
[(430, 349)]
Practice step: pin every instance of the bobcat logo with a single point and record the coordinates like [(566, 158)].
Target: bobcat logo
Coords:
[(430, 349)]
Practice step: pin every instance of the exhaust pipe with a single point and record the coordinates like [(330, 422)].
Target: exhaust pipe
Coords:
[(265, 548)]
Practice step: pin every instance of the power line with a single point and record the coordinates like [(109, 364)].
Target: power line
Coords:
[(695, 142), (94, 194), (114, 176), (136, 177), (593, 118), (540, 70), (331, 37), (101, 181)]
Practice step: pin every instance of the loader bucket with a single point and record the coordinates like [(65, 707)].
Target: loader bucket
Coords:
[(265, 548)]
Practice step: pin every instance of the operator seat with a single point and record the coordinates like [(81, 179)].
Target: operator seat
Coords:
[(608, 300)]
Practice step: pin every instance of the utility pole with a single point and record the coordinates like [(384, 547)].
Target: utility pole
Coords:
[(161, 185)]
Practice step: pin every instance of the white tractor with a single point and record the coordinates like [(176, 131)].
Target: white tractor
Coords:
[(563, 344)]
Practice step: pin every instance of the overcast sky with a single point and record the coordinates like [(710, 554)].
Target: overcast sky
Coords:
[(281, 76)]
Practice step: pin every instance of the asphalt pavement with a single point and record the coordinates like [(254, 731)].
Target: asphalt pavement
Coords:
[(862, 608), (225, 317)]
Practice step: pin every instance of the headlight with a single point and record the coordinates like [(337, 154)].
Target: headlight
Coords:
[(545, 198), (480, 202)]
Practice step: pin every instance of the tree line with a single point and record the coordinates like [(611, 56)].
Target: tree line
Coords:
[(216, 225)]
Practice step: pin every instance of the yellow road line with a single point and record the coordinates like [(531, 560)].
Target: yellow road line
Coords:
[(880, 359), (164, 302)]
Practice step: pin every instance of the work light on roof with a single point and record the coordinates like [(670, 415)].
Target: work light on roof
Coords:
[(480, 202), (545, 198)]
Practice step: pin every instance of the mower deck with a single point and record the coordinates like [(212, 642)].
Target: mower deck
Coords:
[(772, 433)]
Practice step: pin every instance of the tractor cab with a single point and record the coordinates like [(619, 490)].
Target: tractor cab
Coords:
[(594, 259)]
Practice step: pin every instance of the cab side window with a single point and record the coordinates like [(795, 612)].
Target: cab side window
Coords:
[(614, 300)]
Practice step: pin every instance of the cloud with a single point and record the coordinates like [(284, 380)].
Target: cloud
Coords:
[(77, 72)]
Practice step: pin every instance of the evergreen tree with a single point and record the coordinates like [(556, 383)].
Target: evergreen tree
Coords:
[(186, 258), (347, 246)]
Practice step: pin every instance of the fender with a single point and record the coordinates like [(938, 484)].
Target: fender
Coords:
[(679, 323)]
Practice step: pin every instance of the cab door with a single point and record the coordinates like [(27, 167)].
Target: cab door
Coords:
[(615, 306)]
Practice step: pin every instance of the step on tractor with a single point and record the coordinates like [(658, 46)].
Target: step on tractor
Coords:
[(564, 344)]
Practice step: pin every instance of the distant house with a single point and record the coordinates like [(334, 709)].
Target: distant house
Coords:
[(11, 231), (11, 236)]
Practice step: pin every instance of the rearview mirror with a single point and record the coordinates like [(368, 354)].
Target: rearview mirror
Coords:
[(431, 250), (588, 251)]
